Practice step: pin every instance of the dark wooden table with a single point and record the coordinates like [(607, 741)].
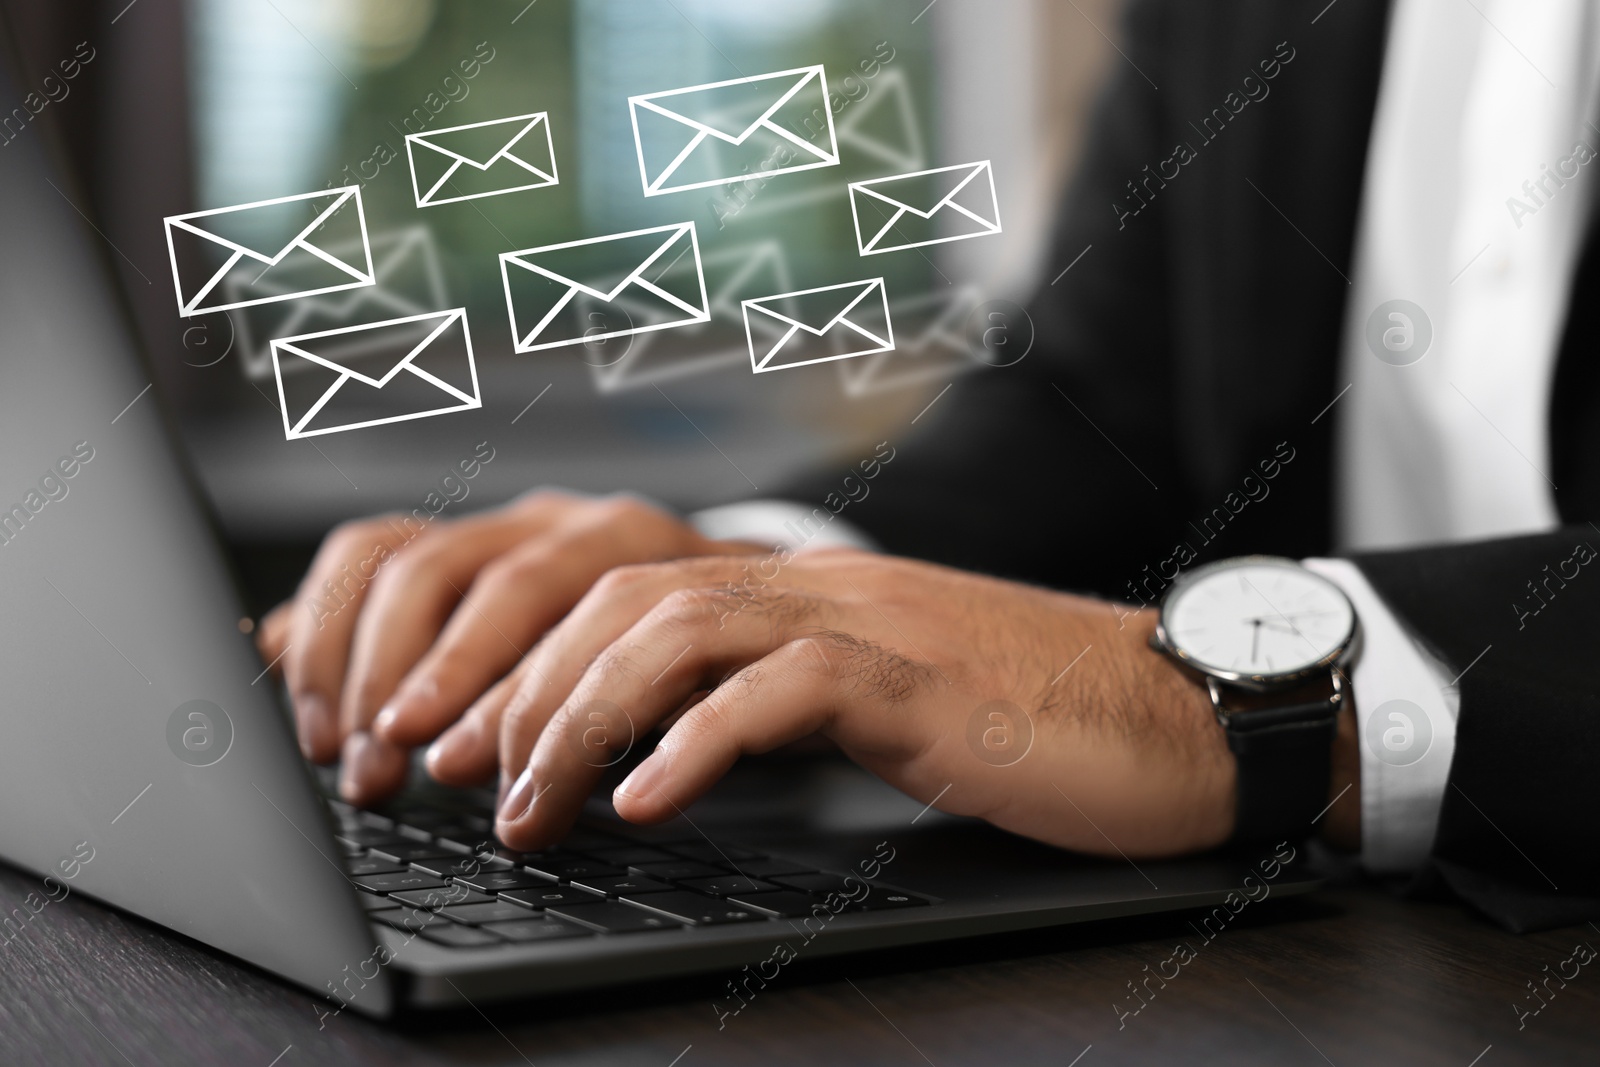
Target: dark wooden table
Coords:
[(1349, 976)]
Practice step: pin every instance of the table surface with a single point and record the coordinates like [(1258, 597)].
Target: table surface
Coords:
[(1349, 975)]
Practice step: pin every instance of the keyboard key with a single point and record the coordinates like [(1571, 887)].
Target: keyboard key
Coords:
[(614, 917), (622, 885), (460, 936), (719, 854), (408, 919), (366, 836), (698, 910), (569, 866), (584, 839), (373, 902), (676, 870), (821, 882), (784, 903), (550, 896), (524, 931), (374, 820), (372, 865), (727, 885), (771, 867), (494, 911), (348, 849), (406, 851), (449, 865), (397, 881), (628, 855), (434, 899), (888, 900), (500, 881)]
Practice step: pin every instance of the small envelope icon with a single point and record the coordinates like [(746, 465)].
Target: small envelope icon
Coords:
[(818, 325), (960, 198), (549, 289), (411, 368), (250, 238), (933, 345), (704, 135), (482, 159)]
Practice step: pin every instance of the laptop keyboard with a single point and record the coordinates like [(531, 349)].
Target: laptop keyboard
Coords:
[(439, 875)]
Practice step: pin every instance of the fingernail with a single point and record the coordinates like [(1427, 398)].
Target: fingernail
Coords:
[(311, 724), (360, 753), (454, 742), (520, 798), (386, 718), (645, 779)]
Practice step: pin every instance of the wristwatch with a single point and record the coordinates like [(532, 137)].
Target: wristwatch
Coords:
[(1271, 639)]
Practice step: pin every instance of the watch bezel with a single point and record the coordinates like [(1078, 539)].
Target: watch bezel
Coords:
[(1258, 682)]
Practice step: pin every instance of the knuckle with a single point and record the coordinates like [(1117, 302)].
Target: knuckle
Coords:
[(629, 576), (689, 607)]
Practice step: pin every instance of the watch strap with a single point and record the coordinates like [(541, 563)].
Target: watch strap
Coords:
[(1284, 756)]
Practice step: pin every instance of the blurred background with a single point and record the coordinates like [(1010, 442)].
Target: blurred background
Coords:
[(216, 103)]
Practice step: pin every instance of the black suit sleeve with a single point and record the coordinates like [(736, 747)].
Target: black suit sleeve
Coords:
[(1519, 831), (1078, 432)]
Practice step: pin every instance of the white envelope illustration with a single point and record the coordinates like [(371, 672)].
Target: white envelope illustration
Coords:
[(818, 325), (880, 128), (480, 159), (249, 238), (648, 359), (961, 199), (934, 345), (723, 132), (551, 291), (410, 282), (413, 367)]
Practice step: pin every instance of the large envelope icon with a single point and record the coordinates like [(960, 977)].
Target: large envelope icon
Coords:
[(722, 132), (961, 199), (550, 289), (410, 282), (250, 241), (418, 366), (818, 325), (482, 159)]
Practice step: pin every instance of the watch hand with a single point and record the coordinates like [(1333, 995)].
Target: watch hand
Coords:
[(1255, 639)]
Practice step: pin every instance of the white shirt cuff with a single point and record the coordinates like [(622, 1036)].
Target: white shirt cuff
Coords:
[(1406, 713), (781, 524)]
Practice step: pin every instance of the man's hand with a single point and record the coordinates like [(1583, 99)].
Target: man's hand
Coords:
[(910, 668), (418, 625)]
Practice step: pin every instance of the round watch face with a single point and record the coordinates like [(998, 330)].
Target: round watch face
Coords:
[(1261, 618)]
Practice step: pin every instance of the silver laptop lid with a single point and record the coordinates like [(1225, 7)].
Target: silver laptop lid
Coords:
[(143, 760)]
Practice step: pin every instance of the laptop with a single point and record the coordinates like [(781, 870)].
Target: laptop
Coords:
[(148, 763)]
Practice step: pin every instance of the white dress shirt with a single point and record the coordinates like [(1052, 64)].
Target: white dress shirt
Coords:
[(1476, 99)]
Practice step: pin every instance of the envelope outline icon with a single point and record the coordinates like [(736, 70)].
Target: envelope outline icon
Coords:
[(525, 259), (876, 243), (521, 127), (761, 363), (195, 304), (748, 261), (941, 330), (391, 252), (291, 347), (661, 104)]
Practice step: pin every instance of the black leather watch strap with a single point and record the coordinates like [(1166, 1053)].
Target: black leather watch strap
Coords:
[(1284, 755)]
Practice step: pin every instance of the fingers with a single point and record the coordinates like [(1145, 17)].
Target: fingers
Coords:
[(408, 603), (467, 754), (772, 702), (680, 647), (616, 602), (272, 634), (321, 619), (512, 603)]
